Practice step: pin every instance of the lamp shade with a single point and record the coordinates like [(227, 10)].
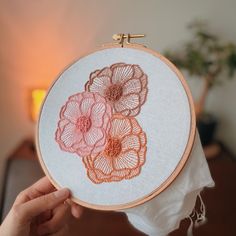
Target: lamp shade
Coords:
[(37, 96)]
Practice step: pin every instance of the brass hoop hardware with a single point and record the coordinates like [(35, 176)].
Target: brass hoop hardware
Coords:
[(125, 38)]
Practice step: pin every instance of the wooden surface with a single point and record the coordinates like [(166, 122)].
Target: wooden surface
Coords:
[(220, 205)]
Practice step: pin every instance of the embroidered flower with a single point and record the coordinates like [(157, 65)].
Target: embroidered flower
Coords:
[(124, 153), (123, 85), (84, 124)]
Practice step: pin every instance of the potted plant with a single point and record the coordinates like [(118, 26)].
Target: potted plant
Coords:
[(206, 57)]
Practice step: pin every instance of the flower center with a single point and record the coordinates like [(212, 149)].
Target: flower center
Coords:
[(114, 92), (113, 147), (84, 124)]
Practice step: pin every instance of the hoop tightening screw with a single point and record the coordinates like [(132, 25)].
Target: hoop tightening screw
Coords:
[(121, 37)]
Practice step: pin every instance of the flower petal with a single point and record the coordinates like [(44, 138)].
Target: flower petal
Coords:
[(62, 123), (143, 79), (136, 129), (103, 139), (86, 162), (126, 160), (99, 98), (76, 97), (83, 149), (117, 64), (125, 112), (99, 84), (100, 145), (70, 135), (143, 138), (71, 111), (137, 71), (133, 173), (93, 177), (143, 96), (103, 164), (120, 173), (135, 111), (93, 136), (86, 105), (132, 86), (121, 73), (97, 112), (120, 127), (94, 74), (101, 177), (105, 72), (130, 101), (107, 122), (131, 142), (142, 155)]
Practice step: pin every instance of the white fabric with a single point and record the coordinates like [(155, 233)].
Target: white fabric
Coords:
[(163, 214), (165, 92)]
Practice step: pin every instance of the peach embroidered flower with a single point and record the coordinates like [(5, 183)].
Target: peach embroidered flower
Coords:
[(123, 85), (84, 124), (124, 153)]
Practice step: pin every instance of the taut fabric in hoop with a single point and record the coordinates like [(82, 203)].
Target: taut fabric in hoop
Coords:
[(118, 120)]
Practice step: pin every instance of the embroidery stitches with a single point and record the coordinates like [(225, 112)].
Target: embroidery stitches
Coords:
[(124, 154), (99, 124), (84, 124), (123, 85)]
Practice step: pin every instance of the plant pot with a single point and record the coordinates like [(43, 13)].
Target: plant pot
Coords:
[(207, 125)]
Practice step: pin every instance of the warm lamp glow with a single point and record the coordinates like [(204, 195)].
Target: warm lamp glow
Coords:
[(37, 96)]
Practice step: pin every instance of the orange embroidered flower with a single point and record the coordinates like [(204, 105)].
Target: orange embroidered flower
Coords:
[(84, 124), (123, 85), (124, 153)]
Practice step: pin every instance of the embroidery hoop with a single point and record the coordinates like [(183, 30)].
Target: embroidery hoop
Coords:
[(181, 162)]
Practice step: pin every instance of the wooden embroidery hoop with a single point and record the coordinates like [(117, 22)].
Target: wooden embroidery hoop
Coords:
[(121, 43)]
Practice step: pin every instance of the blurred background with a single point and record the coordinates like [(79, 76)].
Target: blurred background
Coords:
[(40, 38)]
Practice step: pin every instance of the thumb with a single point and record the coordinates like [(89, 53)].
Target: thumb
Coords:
[(27, 211)]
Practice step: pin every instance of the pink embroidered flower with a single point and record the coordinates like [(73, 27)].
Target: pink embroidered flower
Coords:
[(123, 85), (124, 153), (84, 124)]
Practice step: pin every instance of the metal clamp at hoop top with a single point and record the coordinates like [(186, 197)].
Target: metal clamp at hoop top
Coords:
[(125, 38)]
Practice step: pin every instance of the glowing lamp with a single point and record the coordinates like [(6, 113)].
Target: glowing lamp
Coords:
[(37, 96)]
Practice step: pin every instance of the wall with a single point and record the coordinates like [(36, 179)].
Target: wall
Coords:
[(39, 38)]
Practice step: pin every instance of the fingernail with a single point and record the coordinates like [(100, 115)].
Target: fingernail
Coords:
[(76, 212), (62, 193)]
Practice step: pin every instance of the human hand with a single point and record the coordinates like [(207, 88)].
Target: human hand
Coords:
[(40, 210)]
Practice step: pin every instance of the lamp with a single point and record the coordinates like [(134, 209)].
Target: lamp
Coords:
[(37, 97)]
